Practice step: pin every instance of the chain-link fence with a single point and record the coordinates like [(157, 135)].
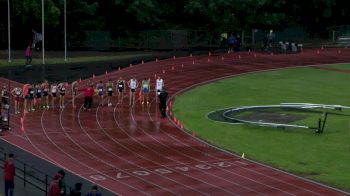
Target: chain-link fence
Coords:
[(196, 39), (190, 39)]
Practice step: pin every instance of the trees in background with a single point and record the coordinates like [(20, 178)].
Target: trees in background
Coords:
[(123, 16)]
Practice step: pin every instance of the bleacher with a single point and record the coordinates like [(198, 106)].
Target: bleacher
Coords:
[(344, 39), (290, 47)]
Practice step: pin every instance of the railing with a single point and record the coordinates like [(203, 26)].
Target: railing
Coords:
[(30, 175)]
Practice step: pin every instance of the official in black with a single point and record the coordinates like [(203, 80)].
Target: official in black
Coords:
[(162, 104)]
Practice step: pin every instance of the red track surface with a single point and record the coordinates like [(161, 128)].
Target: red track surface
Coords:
[(131, 151)]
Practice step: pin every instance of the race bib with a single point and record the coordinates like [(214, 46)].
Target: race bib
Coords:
[(120, 85), (109, 89), (100, 90)]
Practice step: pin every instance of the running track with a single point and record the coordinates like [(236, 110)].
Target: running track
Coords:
[(131, 151)]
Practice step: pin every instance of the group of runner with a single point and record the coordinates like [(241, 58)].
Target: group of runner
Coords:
[(133, 84), (36, 96)]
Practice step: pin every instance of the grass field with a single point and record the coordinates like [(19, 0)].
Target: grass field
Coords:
[(322, 157)]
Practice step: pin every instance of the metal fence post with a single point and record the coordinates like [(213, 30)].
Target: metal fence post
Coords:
[(45, 184), (24, 175)]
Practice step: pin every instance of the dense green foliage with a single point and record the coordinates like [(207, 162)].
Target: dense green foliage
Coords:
[(216, 16), (323, 157)]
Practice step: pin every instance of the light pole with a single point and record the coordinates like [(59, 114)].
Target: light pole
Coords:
[(43, 30), (9, 30), (65, 30)]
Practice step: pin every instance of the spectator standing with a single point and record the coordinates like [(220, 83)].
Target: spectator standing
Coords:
[(28, 54), (62, 183), (162, 105), (54, 189), (230, 43), (238, 43), (93, 191), (9, 175), (77, 190)]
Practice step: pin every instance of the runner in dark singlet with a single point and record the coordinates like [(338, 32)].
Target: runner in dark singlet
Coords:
[(31, 94), (99, 88), (45, 87), (109, 88), (38, 95), (120, 87), (62, 90)]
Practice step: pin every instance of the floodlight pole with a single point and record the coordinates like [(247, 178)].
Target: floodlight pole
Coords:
[(65, 30), (9, 30), (43, 30)]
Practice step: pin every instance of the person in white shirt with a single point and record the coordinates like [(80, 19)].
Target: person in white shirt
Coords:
[(159, 86), (17, 93), (53, 93), (133, 84)]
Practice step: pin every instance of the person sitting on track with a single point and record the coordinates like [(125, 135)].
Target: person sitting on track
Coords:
[(133, 84), (17, 94), (120, 88), (109, 88), (145, 90)]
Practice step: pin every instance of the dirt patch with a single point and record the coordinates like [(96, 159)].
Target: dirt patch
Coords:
[(272, 117)]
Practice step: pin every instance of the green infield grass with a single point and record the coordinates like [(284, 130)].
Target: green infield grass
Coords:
[(321, 157)]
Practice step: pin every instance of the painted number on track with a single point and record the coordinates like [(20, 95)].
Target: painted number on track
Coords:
[(97, 177)]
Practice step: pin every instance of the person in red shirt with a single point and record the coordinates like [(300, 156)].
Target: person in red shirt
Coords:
[(88, 94), (9, 175), (54, 189)]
